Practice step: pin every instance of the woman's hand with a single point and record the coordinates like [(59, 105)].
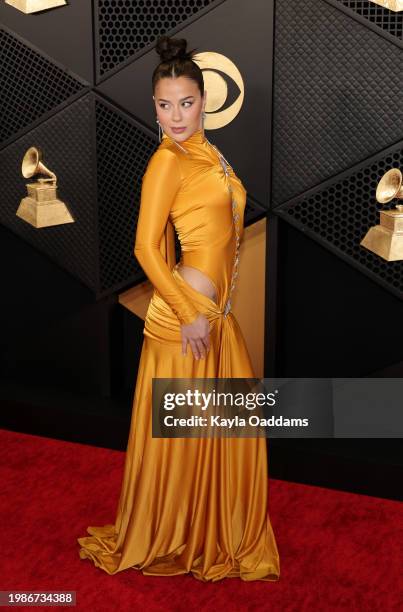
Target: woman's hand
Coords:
[(197, 334)]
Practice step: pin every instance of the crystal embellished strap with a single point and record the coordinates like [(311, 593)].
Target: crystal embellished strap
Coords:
[(235, 215), (236, 256)]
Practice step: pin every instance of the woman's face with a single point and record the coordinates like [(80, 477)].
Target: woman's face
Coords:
[(179, 104)]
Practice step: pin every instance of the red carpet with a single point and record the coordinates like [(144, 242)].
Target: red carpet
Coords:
[(338, 551)]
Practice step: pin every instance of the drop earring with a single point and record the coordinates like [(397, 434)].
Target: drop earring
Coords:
[(160, 130), (203, 118)]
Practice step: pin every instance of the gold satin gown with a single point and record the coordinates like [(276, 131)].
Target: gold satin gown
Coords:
[(194, 505)]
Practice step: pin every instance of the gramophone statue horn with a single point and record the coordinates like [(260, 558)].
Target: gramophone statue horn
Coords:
[(386, 239), (41, 208), (32, 164)]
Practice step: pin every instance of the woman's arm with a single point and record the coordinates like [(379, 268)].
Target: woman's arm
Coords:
[(160, 184)]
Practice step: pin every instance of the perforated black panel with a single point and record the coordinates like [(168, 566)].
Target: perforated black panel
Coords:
[(66, 144), (123, 151), (125, 27), (390, 21), (341, 214), (338, 96), (30, 85)]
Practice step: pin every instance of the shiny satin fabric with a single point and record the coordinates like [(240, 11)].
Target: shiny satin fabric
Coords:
[(189, 504)]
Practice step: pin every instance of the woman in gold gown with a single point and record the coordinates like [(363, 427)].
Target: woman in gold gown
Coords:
[(194, 505)]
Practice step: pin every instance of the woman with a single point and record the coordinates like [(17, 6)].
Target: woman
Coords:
[(194, 505)]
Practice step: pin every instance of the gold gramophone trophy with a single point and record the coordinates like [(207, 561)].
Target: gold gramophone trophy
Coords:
[(386, 239), (34, 6), (41, 207)]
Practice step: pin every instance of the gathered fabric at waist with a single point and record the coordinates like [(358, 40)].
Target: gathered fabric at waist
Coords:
[(228, 345), (163, 325)]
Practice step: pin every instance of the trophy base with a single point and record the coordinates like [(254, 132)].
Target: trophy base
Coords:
[(34, 6), (383, 242), (43, 214)]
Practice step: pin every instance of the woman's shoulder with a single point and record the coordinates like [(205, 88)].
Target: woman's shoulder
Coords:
[(164, 160), (166, 152)]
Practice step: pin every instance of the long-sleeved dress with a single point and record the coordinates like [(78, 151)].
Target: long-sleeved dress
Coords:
[(196, 505)]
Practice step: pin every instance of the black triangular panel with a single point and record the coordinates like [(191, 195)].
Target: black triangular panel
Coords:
[(338, 95), (30, 85)]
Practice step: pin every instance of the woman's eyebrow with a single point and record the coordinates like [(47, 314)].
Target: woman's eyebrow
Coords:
[(181, 100)]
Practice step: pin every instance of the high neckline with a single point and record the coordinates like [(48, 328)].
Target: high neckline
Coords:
[(197, 137)]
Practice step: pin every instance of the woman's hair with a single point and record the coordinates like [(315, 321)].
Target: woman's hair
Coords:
[(176, 61)]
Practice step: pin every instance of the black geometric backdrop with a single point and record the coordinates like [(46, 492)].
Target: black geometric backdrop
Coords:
[(332, 109), (339, 213), (337, 124), (68, 151)]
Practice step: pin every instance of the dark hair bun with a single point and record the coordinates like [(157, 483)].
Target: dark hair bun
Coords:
[(169, 49)]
